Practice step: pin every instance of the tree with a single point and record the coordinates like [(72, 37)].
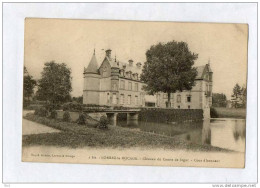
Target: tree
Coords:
[(243, 96), (55, 83), (219, 100), (28, 85), (236, 96), (169, 68)]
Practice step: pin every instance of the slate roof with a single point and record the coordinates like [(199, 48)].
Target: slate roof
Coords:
[(200, 70), (120, 65), (92, 66)]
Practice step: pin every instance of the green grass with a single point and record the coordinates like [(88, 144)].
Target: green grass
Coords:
[(75, 136), (231, 112)]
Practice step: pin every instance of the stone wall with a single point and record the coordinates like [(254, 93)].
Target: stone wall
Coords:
[(170, 115)]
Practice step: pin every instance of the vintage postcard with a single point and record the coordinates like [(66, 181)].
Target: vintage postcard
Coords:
[(135, 93)]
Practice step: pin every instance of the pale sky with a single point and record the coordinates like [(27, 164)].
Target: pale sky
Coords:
[(73, 42)]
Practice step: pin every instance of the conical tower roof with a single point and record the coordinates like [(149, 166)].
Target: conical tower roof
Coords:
[(93, 65)]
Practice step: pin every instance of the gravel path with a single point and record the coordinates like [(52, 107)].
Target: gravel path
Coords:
[(30, 127)]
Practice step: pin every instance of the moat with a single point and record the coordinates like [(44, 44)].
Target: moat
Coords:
[(223, 133)]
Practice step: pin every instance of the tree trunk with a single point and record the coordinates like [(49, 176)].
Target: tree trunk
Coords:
[(169, 101)]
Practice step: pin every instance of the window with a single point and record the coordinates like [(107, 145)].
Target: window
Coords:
[(189, 98), (129, 85), (108, 98), (188, 106), (122, 98), (114, 86), (136, 86), (122, 84), (178, 98), (179, 106), (114, 98), (136, 100), (129, 99)]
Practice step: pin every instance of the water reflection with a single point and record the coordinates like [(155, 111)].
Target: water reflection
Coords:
[(223, 133)]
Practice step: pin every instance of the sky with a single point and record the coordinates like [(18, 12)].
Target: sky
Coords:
[(73, 42)]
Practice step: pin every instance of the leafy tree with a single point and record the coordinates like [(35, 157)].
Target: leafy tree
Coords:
[(219, 100), (236, 96), (169, 68), (55, 83), (28, 85), (243, 96)]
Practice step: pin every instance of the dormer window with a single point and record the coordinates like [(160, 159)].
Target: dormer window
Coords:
[(122, 73), (130, 74)]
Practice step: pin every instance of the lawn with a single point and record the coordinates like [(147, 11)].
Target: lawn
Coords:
[(74, 136), (231, 112)]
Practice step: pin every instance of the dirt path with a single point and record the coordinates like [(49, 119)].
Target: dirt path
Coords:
[(30, 127)]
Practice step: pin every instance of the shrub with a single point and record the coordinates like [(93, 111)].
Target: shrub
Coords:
[(54, 114), (103, 122), (213, 113), (42, 111), (82, 119), (37, 111), (66, 116), (72, 106)]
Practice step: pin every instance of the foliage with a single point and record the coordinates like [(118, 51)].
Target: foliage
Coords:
[(28, 85), (103, 122), (82, 119), (54, 114), (239, 96), (78, 99), (66, 116), (213, 113), (169, 68), (55, 83), (72, 106), (41, 111), (219, 100)]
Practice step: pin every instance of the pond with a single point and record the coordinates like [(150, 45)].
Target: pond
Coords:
[(223, 133)]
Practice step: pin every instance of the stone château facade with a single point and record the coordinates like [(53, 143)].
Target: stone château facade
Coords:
[(115, 83)]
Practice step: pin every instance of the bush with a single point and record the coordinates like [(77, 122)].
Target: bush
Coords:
[(103, 122), (54, 114), (66, 116), (37, 111), (82, 119), (42, 111), (72, 106), (213, 113)]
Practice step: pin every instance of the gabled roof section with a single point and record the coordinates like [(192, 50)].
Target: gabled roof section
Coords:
[(200, 70), (93, 65)]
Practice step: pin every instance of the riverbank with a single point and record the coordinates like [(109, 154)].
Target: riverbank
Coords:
[(77, 136), (231, 112)]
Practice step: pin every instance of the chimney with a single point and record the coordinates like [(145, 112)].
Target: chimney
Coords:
[(139, 65), (130, 62), (108, 53)]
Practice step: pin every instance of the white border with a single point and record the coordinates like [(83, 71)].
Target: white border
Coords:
[(13, 45)]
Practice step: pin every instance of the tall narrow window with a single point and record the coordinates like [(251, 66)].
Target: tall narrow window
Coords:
[(178, 98), (122, 84), (136, 100), (136, 86), (129, 85), (108, 98), (129, 99), (189, 98), (114, 98), (122, 97)]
